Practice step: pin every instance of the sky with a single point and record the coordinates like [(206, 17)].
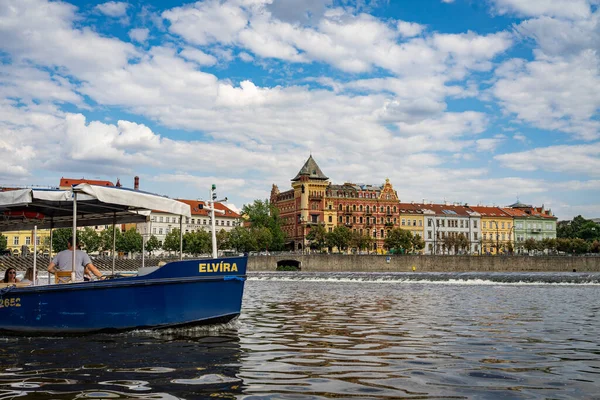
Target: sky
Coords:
[(470, 101)]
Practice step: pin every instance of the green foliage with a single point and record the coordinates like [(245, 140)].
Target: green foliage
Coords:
[(89, 239), (106, 239), (261, 214), (197, 242), (361, 242), (287, 268), (172, 240), (339, 238), (316, 237), (3, 242), (578, 227), (59, 239), (152, 244), (131, 241), (222, 240), (398, 239), (419, 244), (530, 244), (580, 246)]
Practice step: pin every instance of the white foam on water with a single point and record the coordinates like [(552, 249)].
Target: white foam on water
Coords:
[(421, 281)]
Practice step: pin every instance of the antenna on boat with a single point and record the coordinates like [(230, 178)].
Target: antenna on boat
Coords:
[(212, 199)]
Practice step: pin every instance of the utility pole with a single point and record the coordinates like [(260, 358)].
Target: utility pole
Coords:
[(212, 199)]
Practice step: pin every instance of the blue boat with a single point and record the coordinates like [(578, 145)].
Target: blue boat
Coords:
[(179, 293)]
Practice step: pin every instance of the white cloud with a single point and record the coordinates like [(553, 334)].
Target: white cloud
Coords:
[(489, 144), (553, 93), (245, 57), (410, 29), (205, 22), (139, 35), (113, 8), (571, 159), (557, 8), (198, 56)]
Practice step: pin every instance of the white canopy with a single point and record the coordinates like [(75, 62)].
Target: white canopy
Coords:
[(22, 209)]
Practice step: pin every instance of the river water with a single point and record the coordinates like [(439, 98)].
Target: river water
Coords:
[(350, 335)]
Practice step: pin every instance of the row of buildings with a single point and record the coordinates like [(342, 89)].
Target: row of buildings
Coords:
[(159, 224), (369, 210), (374, 210)]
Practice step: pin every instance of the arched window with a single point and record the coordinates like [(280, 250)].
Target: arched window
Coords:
[(360, 208)]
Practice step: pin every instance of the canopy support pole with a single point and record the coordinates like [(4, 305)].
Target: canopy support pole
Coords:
[(181, 237), (74, 235), (34, 255), (144, 245), (114, 242), (50, 250)]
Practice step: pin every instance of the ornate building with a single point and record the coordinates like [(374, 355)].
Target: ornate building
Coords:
[(364, 209)]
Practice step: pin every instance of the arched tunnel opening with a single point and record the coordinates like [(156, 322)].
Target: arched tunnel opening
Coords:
[(289, 265)]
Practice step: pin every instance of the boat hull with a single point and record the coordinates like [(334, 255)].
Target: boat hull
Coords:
[(181, 293)]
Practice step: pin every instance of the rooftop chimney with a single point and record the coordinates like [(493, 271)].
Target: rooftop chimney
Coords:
[(136, 183)]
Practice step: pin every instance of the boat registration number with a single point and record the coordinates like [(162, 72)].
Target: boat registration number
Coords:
[(12, 302)]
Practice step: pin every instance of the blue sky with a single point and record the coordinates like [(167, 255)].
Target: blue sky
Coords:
[(466, 101)]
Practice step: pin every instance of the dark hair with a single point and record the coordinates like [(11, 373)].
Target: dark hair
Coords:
[(6, 274), (70, 240)]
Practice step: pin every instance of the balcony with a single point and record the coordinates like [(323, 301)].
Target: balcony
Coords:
[(315, 197)]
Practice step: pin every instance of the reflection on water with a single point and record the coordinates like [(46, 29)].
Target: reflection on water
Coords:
[(322, 339)]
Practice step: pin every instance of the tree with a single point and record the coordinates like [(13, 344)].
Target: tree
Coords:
[(316, 236), (262, 237), (3, 242), (172, 241), (89, 239), (239, 238), (361, 242), (106, 239), (262, 214), (340, 238), (152, 244), (531, 244), (580, 246), (549, 244), (197, 242), (461, 243), (59, 239), (222, 239), (564, 245), (398, 239), (131, 242), (595, 247)]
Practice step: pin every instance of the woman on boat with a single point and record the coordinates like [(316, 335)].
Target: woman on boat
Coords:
[(28, 278), (10, 276)]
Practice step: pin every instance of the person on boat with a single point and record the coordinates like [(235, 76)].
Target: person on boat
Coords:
[(28, 278), (10, 276), (63, 262)]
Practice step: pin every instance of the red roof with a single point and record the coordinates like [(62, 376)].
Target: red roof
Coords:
[(196, 210), (448, 210), (68, 182), (515, 212), (490, 212)]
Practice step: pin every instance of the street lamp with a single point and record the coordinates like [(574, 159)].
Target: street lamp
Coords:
[(497, 238)]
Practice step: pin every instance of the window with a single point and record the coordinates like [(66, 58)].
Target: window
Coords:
[(27, 240), (381, 209), (475, 236), (354, 207), (429, 221), (228, 223), (485, 224), (503, 225), (403, 222), (330, 218), (15, 240), (341, 207), (153, 219), (475, 224), (160, 231), (37, 240), (154, 231), (420, 222), (428, 234), (160, 219), (414, 222), (360, 208)]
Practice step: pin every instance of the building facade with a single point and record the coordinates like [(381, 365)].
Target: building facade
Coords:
[(497, 230), (160, 224)]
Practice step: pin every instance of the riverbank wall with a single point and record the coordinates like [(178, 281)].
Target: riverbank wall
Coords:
[(429, 263), (365, 263)]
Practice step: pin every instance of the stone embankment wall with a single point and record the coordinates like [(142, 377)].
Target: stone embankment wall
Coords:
[(376, 263)]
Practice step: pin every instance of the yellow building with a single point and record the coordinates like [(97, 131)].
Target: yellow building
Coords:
[(16, 240), (497, 230), (411, 219)]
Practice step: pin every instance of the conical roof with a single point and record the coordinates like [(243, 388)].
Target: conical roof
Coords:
[(311, 169), (518, 204)]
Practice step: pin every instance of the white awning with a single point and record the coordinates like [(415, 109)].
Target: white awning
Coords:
[(23, 209)]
